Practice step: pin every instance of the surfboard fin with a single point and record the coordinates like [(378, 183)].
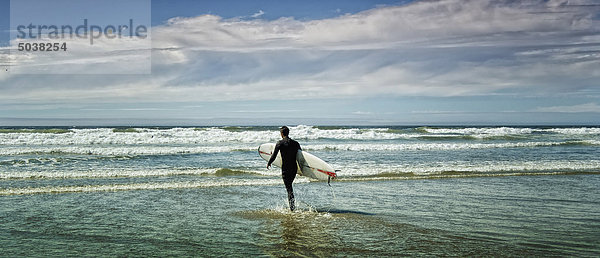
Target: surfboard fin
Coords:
[(329, 177)]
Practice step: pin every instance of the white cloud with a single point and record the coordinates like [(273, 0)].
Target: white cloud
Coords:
[(423, 21), (427, 48), (258, 14), (582, 108)]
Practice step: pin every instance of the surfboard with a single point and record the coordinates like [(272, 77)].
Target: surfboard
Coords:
[(308, 165)]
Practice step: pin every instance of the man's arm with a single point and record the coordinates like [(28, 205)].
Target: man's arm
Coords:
[(273, 155)]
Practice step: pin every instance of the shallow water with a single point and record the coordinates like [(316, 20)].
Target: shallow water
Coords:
[(498, 216), (453, 191)]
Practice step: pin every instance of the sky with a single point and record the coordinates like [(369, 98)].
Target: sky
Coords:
[(434, 62)]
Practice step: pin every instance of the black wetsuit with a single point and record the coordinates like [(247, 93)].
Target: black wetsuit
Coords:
[(289, 148)]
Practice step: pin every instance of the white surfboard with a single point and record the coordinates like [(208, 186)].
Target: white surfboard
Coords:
[(308, 165)]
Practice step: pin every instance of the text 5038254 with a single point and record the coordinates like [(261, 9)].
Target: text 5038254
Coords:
[(48, 47)]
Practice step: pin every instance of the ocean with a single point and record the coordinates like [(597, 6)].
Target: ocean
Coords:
[(204, 191)]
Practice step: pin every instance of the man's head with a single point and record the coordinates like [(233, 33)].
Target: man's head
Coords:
[(285, 131)]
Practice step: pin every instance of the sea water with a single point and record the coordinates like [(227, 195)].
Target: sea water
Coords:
[(204, 191)]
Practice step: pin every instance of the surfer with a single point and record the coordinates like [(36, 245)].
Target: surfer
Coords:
[(289, 148)]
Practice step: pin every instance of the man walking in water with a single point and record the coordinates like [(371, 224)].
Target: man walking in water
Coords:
[(289, 148)]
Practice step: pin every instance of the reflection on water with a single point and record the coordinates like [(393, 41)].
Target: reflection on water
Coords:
[(300, 237), (356, 233), (299, 233)]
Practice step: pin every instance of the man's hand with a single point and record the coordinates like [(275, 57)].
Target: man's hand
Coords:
[(268, 166)]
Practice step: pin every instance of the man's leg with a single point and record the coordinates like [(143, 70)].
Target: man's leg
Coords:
[(288, 179)]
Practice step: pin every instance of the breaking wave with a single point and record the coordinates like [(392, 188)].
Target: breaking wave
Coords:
[(443, 146), (140, 186), (133, 173), (171, 158), (504, 131), (470, 168), (450, 174), (133, 136), (125, 151)]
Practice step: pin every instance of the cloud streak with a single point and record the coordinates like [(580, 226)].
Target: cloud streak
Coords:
[(427, 48), (582, 108), (258, 14)]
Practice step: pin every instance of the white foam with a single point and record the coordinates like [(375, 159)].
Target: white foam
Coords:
[(504, 131), (192, 136), (141, 186), (131, 150), (129, 173), (312, 133), (438, 146), (135, 150), (352, 170), (440, 176), (496, 131), (103, 173), (575, 131), (106, 136)]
